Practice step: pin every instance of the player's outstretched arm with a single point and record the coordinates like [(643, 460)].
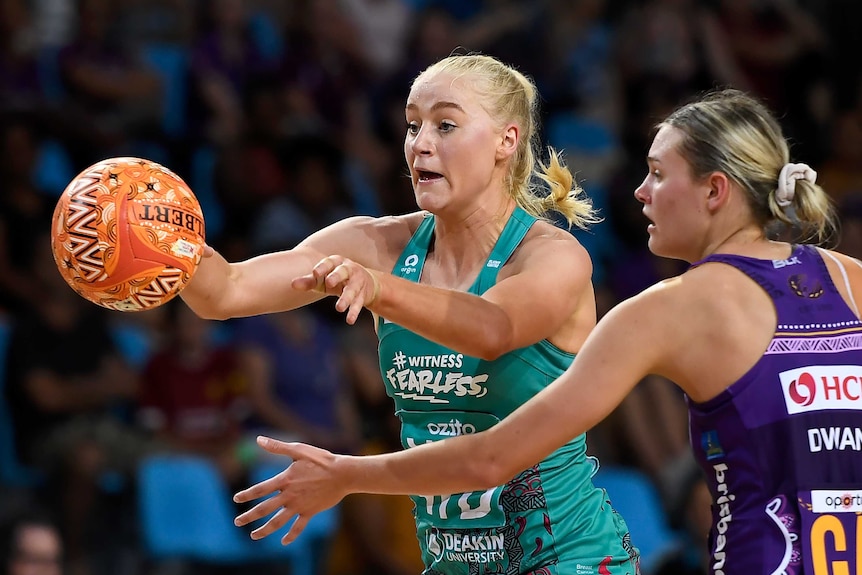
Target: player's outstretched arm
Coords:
[(221, 290), (628, 343)]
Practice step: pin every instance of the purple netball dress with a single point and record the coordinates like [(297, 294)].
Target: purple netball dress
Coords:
[(781, 448)]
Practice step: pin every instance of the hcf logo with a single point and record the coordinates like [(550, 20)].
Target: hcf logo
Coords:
[(803, 390), (816, 388)]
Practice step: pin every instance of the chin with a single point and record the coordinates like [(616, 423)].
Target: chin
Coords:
[(430, 202), (665, 251), (654, 246)]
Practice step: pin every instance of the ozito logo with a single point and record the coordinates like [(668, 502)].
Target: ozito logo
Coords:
[(452, 428), (822, 387)]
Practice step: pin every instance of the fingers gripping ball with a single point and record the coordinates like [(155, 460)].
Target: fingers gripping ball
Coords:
[(127, 234)]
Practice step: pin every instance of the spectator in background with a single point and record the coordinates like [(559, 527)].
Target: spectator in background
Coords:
[(580, 77), (30, 544), (20, 85), (154, 21), (675, 42), (583, 92), (194, 394), (298, 386), (67, 390), (316, 196), (766, 40), (25, 215), (841, 172), (779, 50), (225, 58), (251, 171), (114, 97), (433, 35), (509, 29), (690, 522), (382, 26), (324, 68)]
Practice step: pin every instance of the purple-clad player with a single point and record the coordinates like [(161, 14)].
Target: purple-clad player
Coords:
[(763, 336)]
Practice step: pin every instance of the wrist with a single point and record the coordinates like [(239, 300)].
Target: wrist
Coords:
[(375, 295), (347, 468)]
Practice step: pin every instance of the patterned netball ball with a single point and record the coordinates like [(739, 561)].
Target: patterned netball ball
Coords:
[(127, 234)]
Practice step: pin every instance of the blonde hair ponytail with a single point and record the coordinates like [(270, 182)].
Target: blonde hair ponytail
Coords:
[(565, 195)]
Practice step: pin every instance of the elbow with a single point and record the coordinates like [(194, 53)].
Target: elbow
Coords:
[(496, 337), (495, 343), (207, 310), (490, 470), (212, 314)]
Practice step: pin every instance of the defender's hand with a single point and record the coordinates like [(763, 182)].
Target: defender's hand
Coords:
[(307, 486)]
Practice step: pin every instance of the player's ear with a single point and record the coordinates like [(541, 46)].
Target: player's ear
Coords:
[(717, 189), (508, 143)]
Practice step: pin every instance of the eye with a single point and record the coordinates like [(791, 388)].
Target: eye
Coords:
[(656, 174), (447, 126), (412, 128)]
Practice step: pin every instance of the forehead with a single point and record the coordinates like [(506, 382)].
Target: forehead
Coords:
[(430, 89), (665, 145)]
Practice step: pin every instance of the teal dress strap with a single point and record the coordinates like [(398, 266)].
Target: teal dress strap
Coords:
[(516, 228), (412, 259)]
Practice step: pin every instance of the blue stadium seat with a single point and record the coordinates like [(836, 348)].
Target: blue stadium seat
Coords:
[(170, 62), (50, 76), (186, 512), (635, 497), (133, 342), (266, 36), (53, 170)]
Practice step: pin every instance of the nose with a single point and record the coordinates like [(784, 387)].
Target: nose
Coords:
[(421, 143), (641, 194)]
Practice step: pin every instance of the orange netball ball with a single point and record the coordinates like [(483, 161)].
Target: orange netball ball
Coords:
[(127, 234)]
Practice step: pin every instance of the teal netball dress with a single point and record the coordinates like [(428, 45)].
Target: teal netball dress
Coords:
[(550, 519)]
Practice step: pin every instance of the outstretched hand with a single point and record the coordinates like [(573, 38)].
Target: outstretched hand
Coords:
[(306, 487), (356, 286)]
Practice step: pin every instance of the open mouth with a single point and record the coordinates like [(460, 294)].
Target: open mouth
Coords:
[(426, 176), (650, 223)]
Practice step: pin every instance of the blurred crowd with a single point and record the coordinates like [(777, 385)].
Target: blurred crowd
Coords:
[(284, 117)]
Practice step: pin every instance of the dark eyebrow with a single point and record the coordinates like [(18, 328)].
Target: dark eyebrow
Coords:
[(439, 106)]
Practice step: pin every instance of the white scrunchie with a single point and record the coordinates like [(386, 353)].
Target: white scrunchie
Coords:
[(787, 179)]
